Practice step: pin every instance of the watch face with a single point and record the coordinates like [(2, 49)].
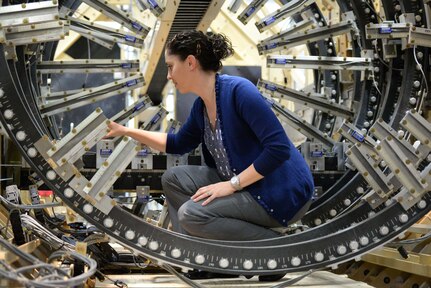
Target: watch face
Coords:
[(235, 182)]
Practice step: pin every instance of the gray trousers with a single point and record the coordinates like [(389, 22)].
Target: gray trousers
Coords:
[(234, 217)]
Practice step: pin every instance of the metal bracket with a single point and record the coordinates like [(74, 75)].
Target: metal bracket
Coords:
[(65, 171), (79, 140), (418, 126), (320, 62), (251, 10), (88, 66), (30, 23), (112, 168), (370, 170), (284, 12), (153, 5), (300, 124), (419, 36), (105, 36), (131, 111), (290, 39), (119, 16), (382, 130), (316, 101), (402, 166), (28, 13), (352, 134), (153, 118), (92, 95)]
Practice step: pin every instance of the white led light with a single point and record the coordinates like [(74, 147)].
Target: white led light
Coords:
[(8, 114), (403, 218), (272, 264), (347, 202), (384, 230), (130, 234), (20, 135), (68, 192), (341, 250), (422, 204), (247, 264), (153, 245), (317, 221), (51, 175), (223, 263), (88, 208), (143, 241), (295, 261), (176, 253), (364, 240), (108, 222), (354, 245), (319, 256), (200, 259), (333, 212), (32, 152)]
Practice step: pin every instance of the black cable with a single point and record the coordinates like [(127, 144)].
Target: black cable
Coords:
[(117, 283)]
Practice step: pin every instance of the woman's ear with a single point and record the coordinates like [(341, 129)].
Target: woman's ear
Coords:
[(191, 62)]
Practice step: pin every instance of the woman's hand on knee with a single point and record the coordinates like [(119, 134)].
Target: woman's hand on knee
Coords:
[(210, 192)]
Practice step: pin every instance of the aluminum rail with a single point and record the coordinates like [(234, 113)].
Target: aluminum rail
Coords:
[(88, 66), (306, 99)]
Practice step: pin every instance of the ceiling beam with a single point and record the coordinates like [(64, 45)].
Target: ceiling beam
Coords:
[(150, 57)]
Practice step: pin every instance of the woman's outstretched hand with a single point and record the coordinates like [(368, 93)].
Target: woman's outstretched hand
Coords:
[(210, 192), (115, 130)]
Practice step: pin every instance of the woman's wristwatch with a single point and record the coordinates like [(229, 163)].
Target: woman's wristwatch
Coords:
[(234, 181)]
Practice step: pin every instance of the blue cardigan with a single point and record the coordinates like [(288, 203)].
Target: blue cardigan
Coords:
[(251, 134)]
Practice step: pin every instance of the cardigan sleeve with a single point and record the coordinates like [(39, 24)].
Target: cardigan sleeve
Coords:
[(255, 111), (189, 135)]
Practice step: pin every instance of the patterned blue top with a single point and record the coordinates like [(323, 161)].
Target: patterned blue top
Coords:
[(214, 142)]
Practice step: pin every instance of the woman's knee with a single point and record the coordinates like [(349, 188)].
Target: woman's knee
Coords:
[(190, 216)]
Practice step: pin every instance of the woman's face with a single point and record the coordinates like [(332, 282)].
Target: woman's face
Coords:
[(179, 72)]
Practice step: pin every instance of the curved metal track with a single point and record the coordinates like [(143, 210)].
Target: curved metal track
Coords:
[(348, 235)]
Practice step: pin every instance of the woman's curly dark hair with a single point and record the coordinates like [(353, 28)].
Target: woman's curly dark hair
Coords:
[(208, 48)]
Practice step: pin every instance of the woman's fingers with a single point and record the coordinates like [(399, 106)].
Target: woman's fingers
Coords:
[(208, 200), (211, 192), (199, 195), (202, 193), (114, 130)]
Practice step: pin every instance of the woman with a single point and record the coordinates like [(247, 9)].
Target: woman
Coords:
[(255, 179)]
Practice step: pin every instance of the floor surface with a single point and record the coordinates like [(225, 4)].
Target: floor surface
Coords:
[(321, 279)]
